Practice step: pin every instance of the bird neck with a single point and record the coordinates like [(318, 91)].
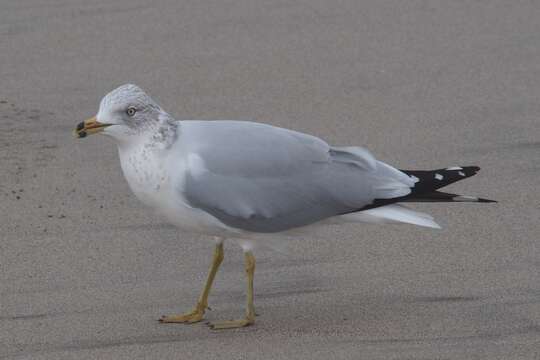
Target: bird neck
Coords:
[(159, 135), (165, 133)]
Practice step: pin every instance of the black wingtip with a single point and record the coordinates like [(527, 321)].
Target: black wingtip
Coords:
[(487, 200), (431, 180), (467, 170)]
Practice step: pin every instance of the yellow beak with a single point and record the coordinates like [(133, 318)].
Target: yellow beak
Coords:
[(89, 127)]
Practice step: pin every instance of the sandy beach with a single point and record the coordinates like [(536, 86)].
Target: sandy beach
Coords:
[(86, 270)]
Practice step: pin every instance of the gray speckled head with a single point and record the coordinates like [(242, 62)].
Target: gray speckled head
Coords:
[(134, 113)]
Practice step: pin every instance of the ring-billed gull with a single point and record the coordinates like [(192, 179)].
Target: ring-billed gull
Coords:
[(249, 181)]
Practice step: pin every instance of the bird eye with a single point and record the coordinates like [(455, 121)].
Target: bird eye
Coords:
[(131, 111)]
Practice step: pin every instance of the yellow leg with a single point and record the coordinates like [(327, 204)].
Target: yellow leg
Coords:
[(250, 309), (202, 304)]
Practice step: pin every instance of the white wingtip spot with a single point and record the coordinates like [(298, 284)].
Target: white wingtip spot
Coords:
[(439, 176), (414, 178), (461, 173), (454, 168)]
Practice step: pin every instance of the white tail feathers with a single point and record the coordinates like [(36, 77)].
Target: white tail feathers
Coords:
[(392, 214)]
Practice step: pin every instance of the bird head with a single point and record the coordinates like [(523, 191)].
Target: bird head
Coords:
[(124, 113)]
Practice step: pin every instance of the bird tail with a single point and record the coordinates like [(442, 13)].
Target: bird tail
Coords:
[(429, 181), (425, 189)]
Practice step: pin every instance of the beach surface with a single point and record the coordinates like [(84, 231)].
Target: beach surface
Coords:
[(86, 270)]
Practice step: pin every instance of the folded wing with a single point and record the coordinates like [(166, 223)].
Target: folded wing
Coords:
[(260, 178)]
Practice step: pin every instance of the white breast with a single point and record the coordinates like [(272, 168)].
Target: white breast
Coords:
[(156, 177)]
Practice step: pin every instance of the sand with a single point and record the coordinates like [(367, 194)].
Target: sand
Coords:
[(86, 270)]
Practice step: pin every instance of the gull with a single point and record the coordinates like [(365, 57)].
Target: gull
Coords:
[(253, 182)]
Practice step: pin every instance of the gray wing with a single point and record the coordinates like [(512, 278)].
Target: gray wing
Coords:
[(266, 179)]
